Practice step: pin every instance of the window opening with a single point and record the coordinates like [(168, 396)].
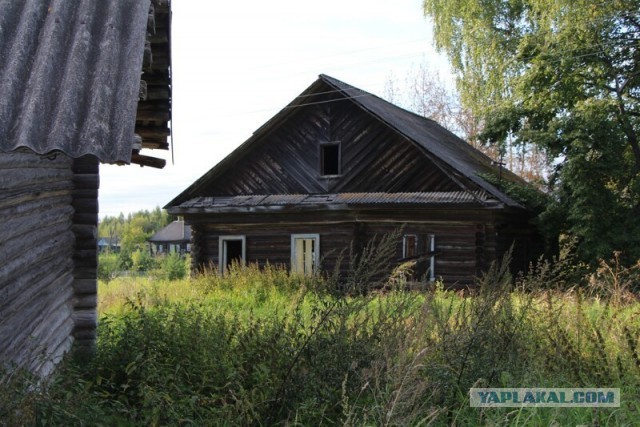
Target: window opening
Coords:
[(232, 249), (330, 159)]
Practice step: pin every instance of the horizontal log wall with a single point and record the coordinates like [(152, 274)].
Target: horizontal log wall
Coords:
[(36, 250), (263, 245), (463, 248), (85, 225)]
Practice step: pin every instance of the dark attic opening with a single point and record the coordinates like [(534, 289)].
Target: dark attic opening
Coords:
[(330, 159)]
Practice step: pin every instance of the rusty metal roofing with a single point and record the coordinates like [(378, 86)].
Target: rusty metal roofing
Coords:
[(341, 199), (70, 75)]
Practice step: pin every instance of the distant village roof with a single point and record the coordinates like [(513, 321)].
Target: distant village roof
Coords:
[(175, 232), (70, 76)]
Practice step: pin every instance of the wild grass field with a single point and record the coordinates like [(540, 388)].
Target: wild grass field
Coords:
[(261, 347)]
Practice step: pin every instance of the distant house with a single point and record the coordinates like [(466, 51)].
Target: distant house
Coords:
[(339, 165), (80, 83), (108, 244), (174, 238)]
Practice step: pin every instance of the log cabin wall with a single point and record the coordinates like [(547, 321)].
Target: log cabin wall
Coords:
[(37, 248), (466, 241), (86, 181)]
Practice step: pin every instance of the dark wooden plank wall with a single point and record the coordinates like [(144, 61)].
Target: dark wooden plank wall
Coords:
[(374, 158), (463, 249), (266, 245), (36, 250), (85, 225)]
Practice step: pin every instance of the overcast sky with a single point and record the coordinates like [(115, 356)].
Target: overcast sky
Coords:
[(236, 64)]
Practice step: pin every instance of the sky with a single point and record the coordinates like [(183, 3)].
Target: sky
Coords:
[(237, 64)]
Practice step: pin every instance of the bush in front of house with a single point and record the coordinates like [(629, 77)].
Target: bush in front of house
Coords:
[(109, 266)]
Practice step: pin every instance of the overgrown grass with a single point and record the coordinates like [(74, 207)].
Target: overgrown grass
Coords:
[(262, 347)]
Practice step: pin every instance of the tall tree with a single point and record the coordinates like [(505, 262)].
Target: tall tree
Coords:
[(563, 75), (426, 93)]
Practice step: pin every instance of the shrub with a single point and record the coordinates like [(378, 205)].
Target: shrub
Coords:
[(174, 266), (109, 266), (142, 260)]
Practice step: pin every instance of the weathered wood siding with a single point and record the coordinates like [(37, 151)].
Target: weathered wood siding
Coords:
[(85, 224), (466, 241), (373, 158), (36, 251), (48, 215)]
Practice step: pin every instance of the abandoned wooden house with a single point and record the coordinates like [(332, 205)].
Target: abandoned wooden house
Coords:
[(174, 238), (72, 97), (340, 165)]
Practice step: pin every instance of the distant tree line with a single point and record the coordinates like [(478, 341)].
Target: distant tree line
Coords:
[(131, 232)]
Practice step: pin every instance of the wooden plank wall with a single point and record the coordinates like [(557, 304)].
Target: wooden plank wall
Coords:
[(374, 158), (266, 245), (36, 250), (86, 181), (462, 248)]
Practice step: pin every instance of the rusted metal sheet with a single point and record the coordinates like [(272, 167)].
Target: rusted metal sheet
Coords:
[(479, 198)]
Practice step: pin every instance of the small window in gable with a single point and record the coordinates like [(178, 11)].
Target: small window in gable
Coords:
[(330, 159)]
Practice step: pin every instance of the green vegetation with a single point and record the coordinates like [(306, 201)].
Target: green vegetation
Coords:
[(559, 76), (262, 347), (131, 234)]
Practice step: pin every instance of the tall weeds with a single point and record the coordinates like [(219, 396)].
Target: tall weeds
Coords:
[(262, 347)]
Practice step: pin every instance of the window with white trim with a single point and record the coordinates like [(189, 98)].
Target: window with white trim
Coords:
[(231, 249), (305, 253)]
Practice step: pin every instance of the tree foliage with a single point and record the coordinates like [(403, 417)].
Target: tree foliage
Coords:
[(563, 75), (426, 93), (132, 232)]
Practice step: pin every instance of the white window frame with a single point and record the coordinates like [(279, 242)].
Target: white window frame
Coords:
[(222, 250), (316, 255)]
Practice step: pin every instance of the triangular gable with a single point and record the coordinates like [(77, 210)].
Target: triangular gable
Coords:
[(383, 151)]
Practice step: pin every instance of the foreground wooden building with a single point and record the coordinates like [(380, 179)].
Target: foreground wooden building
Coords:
[(81, 83), (340, 165)]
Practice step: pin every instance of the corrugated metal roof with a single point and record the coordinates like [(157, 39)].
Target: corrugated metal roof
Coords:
[(347, 199), (70, 75)]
